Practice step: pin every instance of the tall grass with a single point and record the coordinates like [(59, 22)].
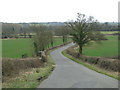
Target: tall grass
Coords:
[(12, 67)]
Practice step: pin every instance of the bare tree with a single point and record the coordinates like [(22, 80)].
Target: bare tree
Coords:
[(7, 30), (63, 31), (50, 38), (42, 38), (85, 30)]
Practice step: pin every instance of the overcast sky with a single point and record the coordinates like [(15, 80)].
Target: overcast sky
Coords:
[(57, 10)]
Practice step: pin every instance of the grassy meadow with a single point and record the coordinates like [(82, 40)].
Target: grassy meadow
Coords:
[(105, 48), (15, 48), (109, 32)]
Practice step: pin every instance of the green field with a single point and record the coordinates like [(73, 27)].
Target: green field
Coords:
[(15, 48), (109, 32), (105, 48)]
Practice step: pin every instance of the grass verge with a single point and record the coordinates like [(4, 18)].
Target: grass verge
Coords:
[(32, 78), (92, 67)]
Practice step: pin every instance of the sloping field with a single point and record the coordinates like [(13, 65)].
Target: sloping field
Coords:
[(105, 48)]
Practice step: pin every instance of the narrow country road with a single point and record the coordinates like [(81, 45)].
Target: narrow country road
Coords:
[(69, 74)]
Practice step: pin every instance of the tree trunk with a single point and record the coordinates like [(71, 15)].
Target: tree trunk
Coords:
[(80, 50), (52, 43), (63, 39)]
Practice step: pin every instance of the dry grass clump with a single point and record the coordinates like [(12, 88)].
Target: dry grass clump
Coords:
[(12, 67)]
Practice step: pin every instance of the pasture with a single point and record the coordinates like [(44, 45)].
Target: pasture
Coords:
[(105, 48), (109, 32), (15, 48)]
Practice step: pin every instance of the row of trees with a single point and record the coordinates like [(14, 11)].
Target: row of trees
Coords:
[(43, 35), (63, 31), (83, 31), (11, 30), (107, 26), (16, 30), (42, 38)]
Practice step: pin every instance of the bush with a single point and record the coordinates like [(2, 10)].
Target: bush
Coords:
[(12, 67), (24, 55), (72, 52), (105, 63)]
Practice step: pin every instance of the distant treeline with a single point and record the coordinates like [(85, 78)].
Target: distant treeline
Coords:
[(107, 26), (24, 30)]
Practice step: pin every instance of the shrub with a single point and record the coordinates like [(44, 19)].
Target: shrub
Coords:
[(12, 67), (71, 51), (24, 55), (105, 63)]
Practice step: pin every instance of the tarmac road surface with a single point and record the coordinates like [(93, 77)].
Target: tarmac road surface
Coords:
[(69, 74)]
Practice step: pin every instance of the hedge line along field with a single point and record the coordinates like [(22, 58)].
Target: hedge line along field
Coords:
[(15, 48), (109, 32), (105, 48)]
